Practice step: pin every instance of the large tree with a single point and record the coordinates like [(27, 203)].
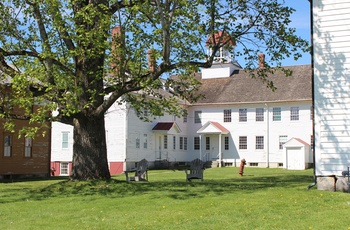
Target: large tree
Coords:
[(60, 54)]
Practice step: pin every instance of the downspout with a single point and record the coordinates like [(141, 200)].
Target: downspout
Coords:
[(267, 136), (126, 118), (200, 146), (312, 90), (220, 152)]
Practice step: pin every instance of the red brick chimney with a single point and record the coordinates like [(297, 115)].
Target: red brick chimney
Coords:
[(117, 44), (261, 58), (151, 61)]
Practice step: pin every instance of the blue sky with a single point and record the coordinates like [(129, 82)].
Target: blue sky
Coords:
[(301, 22)]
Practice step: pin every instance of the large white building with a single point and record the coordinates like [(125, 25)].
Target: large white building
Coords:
[(331, 52), (238, 117)]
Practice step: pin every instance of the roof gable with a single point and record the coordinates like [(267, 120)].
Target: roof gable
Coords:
[(213, 127), (296, 142), (166, 127)]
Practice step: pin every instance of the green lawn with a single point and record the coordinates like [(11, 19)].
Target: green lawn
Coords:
[(261, 199)]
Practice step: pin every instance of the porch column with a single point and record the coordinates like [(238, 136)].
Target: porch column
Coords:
[(200, 146), (220, 152)]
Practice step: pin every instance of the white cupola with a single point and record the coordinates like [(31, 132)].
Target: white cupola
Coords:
[(224, 62)]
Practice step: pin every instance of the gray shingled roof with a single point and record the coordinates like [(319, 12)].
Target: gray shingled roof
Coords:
[(241, 88)]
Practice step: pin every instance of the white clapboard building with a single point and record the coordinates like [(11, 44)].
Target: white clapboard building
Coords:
[(238, 117), (331, 61)]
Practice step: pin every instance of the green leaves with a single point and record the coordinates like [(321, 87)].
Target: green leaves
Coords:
[(64, 49)]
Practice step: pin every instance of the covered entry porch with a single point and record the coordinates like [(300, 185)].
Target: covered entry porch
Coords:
[(212, 135)]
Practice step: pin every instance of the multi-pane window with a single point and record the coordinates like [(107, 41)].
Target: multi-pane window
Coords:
[(276, 114), (64, 168), (227, 115), (311, 113), (207, 143), (137, 143), (282, 141), (259, 142), (28, 147), (294, 113), (196, 143), (185, 116), (145, 112), (183, 143), (197, 116), (165, 142), (65, 140), (145, 142), (243, 142), (226, 143), (312, 142), (174, 142), (242, 115), (259, 114), (7, 145)]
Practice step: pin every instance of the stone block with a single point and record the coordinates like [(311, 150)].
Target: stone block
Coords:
[(342, 184), (326, 183)]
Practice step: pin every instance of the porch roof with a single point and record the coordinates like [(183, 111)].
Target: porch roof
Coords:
[(165, 127), (212, 127)]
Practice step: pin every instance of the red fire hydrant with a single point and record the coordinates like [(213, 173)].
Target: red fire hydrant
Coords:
[(241, 167)]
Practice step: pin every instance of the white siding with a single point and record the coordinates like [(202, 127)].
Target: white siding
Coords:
[(57, 152), (331, 85), (137, 128), (271, 130), (115, 123)]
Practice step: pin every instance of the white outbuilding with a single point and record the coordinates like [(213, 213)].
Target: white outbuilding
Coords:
[(297, 155)]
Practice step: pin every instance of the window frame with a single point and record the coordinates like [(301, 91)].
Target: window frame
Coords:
[(145, 141), (65, 140), (243, 142), (28, 143), (207, 143), (282, 139), (7, 145), (226, 143), (198, 117), (137, 143), (196, 143), (227, 115), (259, 114), (276, 114), (181, 143), (165, 142), (185, 116), (294, 113), (259, 143), (174, 142), (64, 168), (243, 115)]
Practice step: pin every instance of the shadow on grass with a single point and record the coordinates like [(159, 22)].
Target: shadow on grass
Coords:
[(174, 188)]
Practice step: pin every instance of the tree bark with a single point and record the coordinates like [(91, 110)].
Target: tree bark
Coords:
[(89, 149)]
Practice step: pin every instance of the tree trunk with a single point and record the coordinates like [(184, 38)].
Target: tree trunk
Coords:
[(89, 149)]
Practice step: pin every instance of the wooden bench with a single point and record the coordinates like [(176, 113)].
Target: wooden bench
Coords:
[(195, 171), (140, 173)]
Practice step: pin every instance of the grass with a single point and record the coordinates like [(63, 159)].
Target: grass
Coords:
[(261, 199)]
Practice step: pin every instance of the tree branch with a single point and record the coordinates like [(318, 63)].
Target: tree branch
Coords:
[(122, 4), (45, 40)]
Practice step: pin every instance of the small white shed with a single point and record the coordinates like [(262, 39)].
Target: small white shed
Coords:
[(297, 155)]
